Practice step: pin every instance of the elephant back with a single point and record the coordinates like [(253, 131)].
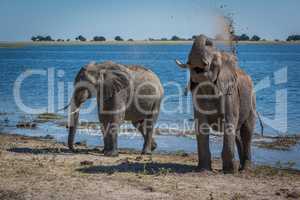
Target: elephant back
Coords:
[(108, 65), (142, 75)]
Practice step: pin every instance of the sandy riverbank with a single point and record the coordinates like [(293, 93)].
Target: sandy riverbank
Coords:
[(35, 168)]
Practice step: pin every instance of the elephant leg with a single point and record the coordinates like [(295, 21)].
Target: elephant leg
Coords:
[(111, 114), (246, 137), (141, 127), (148, 128), (110, 136), (228, 149), (240, 147), (204, 155), (106, 144)]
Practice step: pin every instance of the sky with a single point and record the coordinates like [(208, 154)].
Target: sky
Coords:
[(142, 19)]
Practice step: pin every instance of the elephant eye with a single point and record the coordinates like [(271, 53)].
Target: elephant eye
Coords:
[(199, 70)]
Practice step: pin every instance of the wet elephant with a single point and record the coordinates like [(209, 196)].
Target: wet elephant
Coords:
[(132, 93), (224, 100)]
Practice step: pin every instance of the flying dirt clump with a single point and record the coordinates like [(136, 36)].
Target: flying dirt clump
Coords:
[(226, 31)]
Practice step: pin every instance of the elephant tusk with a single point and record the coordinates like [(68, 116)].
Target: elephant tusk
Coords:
[(76, 111), (64, 108), (180, 64), (206, 62)]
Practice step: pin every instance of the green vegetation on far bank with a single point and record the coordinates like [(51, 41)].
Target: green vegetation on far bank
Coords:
[(118, 40), (129, 42), (218, 37)]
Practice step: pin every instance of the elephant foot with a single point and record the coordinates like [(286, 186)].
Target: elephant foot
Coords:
[(246, 166), (111, 153), (148, 148), (204, 167), (229, 167), (71, 148), (146, 152), (204, 171), (153, 145)]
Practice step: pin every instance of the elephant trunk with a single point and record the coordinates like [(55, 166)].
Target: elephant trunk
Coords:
[(84, 89), (73, 121)]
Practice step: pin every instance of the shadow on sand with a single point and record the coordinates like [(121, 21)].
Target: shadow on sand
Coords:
[(144, 168), (37, 151), (149, 168)]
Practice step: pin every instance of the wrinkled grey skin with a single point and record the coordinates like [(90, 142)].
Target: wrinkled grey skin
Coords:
[(233, 103), (116, 88)]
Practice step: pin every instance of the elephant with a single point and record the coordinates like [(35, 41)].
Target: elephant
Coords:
[(123, 92), (223, 100)]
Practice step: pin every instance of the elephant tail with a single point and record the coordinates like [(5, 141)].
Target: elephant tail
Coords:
[(261, 123)]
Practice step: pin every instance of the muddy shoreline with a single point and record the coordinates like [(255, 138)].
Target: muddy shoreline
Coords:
[(39, 168)]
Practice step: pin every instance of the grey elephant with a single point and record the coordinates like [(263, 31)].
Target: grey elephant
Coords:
[(132, 93), (223, 100)]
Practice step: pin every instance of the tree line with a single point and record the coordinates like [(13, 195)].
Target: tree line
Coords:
[(242, 37), (100, 39), (81, 38), (293, 38)]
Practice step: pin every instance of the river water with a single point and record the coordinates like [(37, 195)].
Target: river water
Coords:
[(275, 70)]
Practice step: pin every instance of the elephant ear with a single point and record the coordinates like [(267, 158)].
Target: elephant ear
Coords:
[(224, 74), (114, 81)]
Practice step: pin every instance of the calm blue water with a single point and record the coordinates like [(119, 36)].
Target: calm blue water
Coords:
[(275, 69)]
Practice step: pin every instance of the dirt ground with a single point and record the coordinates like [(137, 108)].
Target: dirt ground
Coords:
[(35, 168)]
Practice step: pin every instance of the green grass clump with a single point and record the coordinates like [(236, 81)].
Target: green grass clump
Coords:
[(283, 143), (47, 117)]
